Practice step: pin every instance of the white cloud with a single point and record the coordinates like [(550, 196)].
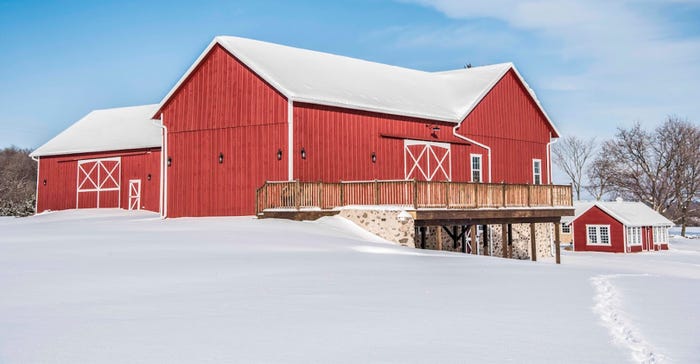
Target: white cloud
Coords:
[(631, 57)]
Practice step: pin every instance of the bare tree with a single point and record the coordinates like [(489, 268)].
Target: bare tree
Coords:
[(600, 176), (642, 162), (571, 154), (17, 182), (682, 140)]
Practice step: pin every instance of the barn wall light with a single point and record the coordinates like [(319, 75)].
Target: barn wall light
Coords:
[(44, 182), (221, 158), (279, 154), (148, 177), (374, 157), (170, 161), (303, 153)]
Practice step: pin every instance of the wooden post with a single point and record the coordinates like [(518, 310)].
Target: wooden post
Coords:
[(533, 242), (415, 194), (438, 236), (510, 240), (557, 241), (376, 192), (265, 196), (475, 245), (320, 195), (257, 197), (504, 240), (297, 192), (485, 231), (342, 194), (447, 194), (504, 194), (455, 237), (551, 194), (464, 239), (422, 237)]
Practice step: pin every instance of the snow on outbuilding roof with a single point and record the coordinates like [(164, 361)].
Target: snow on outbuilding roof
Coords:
[(321, 78), (627, 212), (106, 130)]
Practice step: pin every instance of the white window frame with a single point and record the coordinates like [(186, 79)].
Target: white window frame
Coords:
[(660, 234), (634, 235), (598, 235), (480, 169), (534, 174), (565, 228)]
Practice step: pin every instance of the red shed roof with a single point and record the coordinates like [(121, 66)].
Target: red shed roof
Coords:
[(327, 79)]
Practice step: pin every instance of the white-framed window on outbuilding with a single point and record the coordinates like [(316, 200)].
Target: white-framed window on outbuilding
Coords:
[(537, 171), (660, 234), (476, 168), (598, 234), (565, 228), (634, 235)]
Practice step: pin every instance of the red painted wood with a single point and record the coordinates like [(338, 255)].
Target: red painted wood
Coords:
[(596, 216), (61, 172), (509, 121), (223, 108)]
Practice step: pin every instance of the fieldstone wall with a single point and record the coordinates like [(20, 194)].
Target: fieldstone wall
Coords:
[(383, 223)]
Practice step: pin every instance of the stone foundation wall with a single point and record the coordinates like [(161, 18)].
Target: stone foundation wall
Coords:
[(383, 223), (521, 240)]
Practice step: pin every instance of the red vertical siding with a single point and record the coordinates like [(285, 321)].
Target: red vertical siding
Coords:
[(509, 121), (223, 107), (60, 173), (596, 216), (339, 144)]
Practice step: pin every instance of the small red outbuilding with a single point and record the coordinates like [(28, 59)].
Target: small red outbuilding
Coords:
[(109, 158), (618, 227)]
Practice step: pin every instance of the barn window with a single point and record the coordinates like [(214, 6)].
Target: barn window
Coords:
[(476, 168), (598, 234), (660, 234), (565, 228), (634, 235), (537, 171)]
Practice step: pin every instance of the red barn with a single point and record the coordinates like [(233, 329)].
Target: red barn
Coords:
[(109, 158), (618, 227), (247, 112)]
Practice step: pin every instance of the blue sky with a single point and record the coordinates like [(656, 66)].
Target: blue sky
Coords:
[(594, 64)]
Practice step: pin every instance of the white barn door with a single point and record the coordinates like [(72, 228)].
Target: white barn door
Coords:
[(427, 161), (134, 194), (98, 183)]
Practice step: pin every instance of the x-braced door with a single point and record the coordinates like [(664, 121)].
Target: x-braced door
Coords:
[(134, 194), (98, 183), (427, 161)]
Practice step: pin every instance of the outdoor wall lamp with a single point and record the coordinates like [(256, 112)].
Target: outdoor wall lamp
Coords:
[(221, 158), (44, 182), (279, 154), (303, 153), (170, 161), (148, 177), (374, 157)]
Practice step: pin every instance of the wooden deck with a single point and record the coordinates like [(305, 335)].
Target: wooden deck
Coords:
[(301, 196)]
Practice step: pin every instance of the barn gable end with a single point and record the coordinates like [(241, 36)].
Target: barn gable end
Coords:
[(225, 128)]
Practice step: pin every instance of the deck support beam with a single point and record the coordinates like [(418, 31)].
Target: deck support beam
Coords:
[(485, 232), (422, 236), (510, 240), (557, 242), (533, 242), (464, 239), (474, 244)]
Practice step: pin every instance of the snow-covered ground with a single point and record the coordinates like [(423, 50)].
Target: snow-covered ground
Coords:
[(117, 287)]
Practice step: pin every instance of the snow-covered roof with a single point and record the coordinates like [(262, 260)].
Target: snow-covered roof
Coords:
[(627, 212), (105, 130), (327, 79)]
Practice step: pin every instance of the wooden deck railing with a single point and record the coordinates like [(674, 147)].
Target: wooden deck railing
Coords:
[(417, 194)]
